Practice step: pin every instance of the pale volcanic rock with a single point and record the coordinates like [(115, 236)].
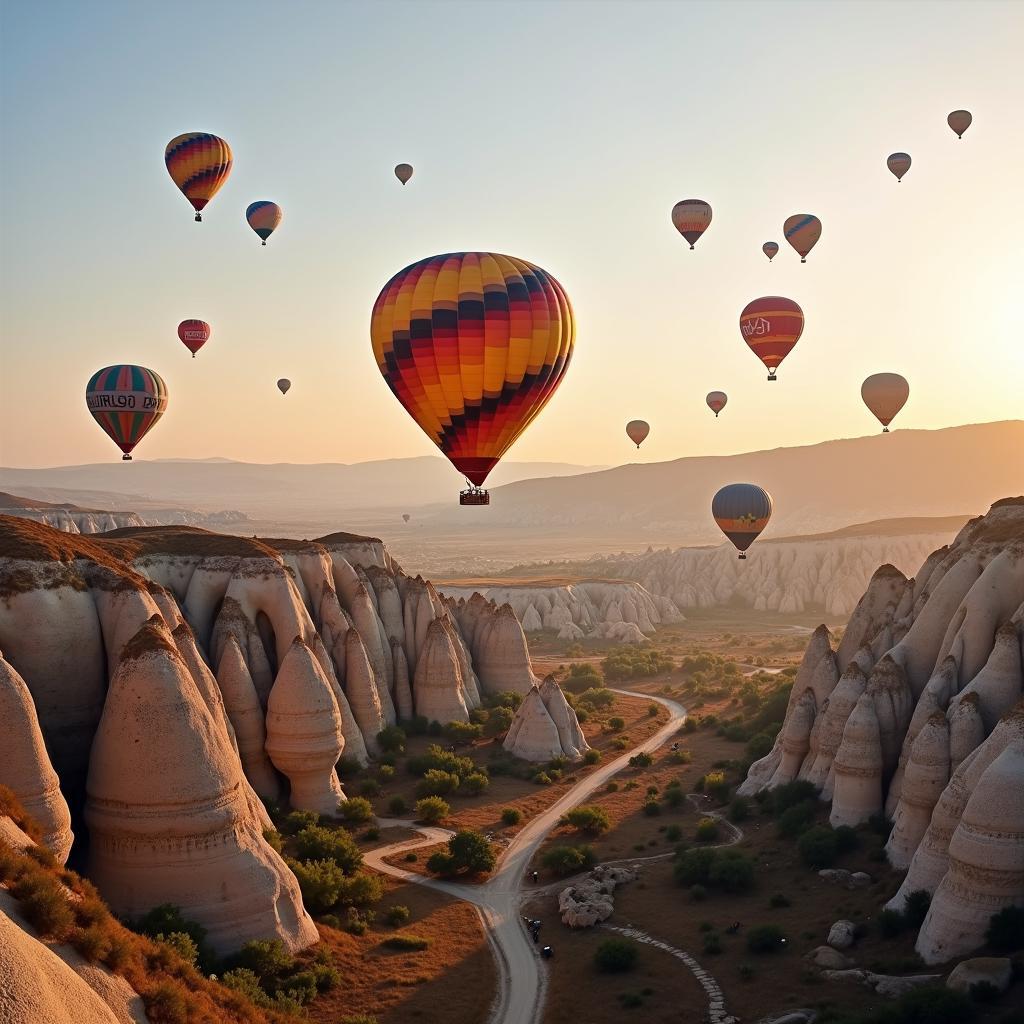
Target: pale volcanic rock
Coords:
[(874, 611), (531, 621), (246, 715), (232, 622), (438, 686), (966, 729), (591, 900), (830, 724), (620, 632), (926, 776), (999, 682), (995, 970), (304, 739), (842, 934), (403, 690), (167, 811), (501, 655), (533, 735), (894, 704), (986, 863), (794, 740), (570, 735), (25, 765), (858, 767), (363, 695)]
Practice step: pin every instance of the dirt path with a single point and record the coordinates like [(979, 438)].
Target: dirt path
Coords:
[(498, 900)]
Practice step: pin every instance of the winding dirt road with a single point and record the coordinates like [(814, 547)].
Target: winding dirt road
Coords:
[(521, 980)]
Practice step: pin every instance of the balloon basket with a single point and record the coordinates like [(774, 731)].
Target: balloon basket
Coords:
[(474, 496), (743, 557), (199, 218), (264, 242), (126, 458), (885, 430), (771, 376)]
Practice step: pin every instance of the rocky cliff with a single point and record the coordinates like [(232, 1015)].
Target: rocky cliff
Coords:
[(918, 714), (168, 675)]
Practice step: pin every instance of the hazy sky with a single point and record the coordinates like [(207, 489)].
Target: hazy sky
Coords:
[(558, 132)]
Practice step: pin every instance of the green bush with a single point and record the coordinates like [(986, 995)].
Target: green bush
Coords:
[(716, 787), (616, 724), (320, 882), (357, 810), (273, 838), (680, 757), (498, 721), (463, 732), (182, 944), (412, 943), (635, 662), (397, 915), (568, 860), (651, 807), (674, 796), (732, 871), (739, 809), (475, 784), (542, 779), (397, 806), (689, 725), (582, 678), (438, 759), (592, 756), (615, 956), (765, 938), (391, 739), (432, 809), (368, 788), (511, 816), (1005, 932), (596, 699), (315, 842), (789, 794), (587, 818), (440, 863), (692, 866), (818, 846), (796, 820), (167, 919), (847, 839), (468, 851), (698, 893), (915, 908), (641, 760), (707, 830), (673, 833), (267, 959), (712, 944), (436, 782)]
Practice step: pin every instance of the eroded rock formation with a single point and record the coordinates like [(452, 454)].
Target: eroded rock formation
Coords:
[(545, 726)]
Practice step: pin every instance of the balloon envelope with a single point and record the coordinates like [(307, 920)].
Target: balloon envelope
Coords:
[(403, 172), (283, 385), (802, 231), (770, 249), (771, 326), (742, 511), (637, 431), (959, 121), (473, 345), (405, 517), (716, 401), (198, 164), (885, 394), (194, 334), (126, 401), (691, 218), (899, 164), (264, 217)]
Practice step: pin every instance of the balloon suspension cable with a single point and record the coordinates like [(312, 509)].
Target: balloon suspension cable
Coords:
[(126, 458), (199, 218)]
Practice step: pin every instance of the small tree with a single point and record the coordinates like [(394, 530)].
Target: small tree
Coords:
[(568, 860), (1005, 932), (474, 784), (432, 809), (614, 956), (319, 843), (471, 852), (588, 818), (511, 816), (391, 739), (615, 723), (357, 810), (818, 846), (707, 830), (766, 938)]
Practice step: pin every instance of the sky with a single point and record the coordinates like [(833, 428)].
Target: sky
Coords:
[(562, 133)]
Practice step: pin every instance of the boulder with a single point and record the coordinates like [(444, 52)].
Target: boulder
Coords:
[(842, 935), (992, 970), (829, 958)]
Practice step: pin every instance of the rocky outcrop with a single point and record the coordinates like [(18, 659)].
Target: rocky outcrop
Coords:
[(858, 767), (591, 900), (437, 697), (570, 735), (500, 653), (996, 971), (533, 735)]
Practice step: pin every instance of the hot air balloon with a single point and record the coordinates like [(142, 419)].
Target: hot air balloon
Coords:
[(126, 401), (771, 326), (691, 218), (194, 334), (283, 385), (406, 517), (885, 394), (263, 217), (637, 431), (472, 344), (198, 164), (403, 172), (742, 511), (802, 231), (899, 164), (959, 121), (716, 401), (770, 249)]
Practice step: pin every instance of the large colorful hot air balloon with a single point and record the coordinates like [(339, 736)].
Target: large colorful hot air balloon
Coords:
[(742, 511), (198, 164), (637, 431), (403, 172), (283, 385), (126, 401), (770, 249), (802, 231), (473, 344), (899, 164), (263, 217), (194, 334), (885, 394), (771, 326), (959, 121), (691, 218), (716, 401)]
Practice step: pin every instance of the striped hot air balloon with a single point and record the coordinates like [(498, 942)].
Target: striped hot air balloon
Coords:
[(771, 250), (899, 164), (716, 401), (637, 431), (802, 231), (691, 218), (198, 164), (771, 326), (959, 121), (885, 394), (126, 401), (263, 217), (194, 334), (742, 511), (403, 172), (473, 345)]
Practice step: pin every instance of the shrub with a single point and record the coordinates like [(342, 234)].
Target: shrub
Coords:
[(475, 784), (356, 922), (463, 732), (320, 882), (315, 842), (406, 942), (440, 863), (612, 787), (791, 793), (592, 756), (410, 858), (847, 839), (582, 678), (167, 919), (674, 796), (356, 810), (707, 830), (652, 710), (765, 938), (616, 724), (242, 980), (692, 866), (588, 818), (689, 725), (498, 721), (933, 1004), (818, 846), (568, 860), (712, 944), (651, 807), (182, 944), (673, 833), (680, 757), (915, 907), (397, 806), (698, 893), (167, 1003), (716, 786), (437, 758), (796, 820), (437, 782), (386, 772), (368, 788), (542, 779), (511, 816), (641, 760), (614, 956), (880, 824), (397, 915), (731, 871), (597, 698), (43, 902), (634, 662), (471, 852), (432, 809), (273, 838), (361, 890), (739, 809), (267, 959), (779, 900), (1005, 932)]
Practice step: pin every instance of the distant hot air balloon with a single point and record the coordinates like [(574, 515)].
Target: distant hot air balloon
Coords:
[(403, 172), (198, 164), (126, 401), (885, 394), (742, 511), (716, 401), (802, 231), (283, 385), (194, 334), (770, 249), (691, 218), (899, 164), (637, 431), (264, 217), (771, 326), (473, 344), (959, 121), (406, 517)]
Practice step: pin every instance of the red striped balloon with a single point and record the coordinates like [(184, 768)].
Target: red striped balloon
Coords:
[(194, 334), (126, 401), (771, 326), (691, 218)]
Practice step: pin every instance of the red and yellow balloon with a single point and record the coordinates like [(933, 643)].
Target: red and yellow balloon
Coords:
[(126, 401), (771, 326), (199, 164)]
